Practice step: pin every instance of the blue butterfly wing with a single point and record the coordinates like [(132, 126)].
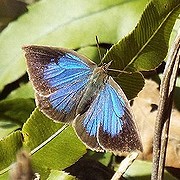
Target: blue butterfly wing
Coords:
[(108, 124), (59, 77)]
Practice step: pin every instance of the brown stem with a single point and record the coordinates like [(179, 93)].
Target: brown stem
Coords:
[(164, 110)]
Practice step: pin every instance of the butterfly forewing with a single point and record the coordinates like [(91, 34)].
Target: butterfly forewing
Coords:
[(59, 77)]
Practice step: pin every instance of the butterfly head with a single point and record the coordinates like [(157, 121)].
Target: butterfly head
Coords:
[(100, 74), (105, 66)]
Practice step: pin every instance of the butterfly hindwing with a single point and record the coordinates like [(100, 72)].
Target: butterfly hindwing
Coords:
[(59, 77), (108, 123), (123, 135)]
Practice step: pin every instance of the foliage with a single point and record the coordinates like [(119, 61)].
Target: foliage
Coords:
[(74, 24)]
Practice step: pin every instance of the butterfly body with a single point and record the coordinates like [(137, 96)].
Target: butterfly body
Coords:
[(71, 88), (96, 83)]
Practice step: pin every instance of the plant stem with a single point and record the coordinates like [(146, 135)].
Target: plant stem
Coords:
[(164, 110)]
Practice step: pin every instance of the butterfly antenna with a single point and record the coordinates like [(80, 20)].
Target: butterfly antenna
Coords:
[(98, 48), (100, 56)]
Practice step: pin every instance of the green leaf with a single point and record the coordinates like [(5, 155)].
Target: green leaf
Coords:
[(142, 170), (24, 91), (103, 158), (130, 83), (9, 10), (13, 113), (9, 147), (7, 127), (55, 174), (60, 153), (16, 110), (4, 176), (146, 47), (62, 26)]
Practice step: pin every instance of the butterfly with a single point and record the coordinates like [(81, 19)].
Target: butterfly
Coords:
[(72, 89)]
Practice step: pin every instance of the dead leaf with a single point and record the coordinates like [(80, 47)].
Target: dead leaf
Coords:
[(145, 111)]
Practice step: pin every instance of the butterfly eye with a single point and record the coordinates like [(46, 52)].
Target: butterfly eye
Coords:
[(105, 66)]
